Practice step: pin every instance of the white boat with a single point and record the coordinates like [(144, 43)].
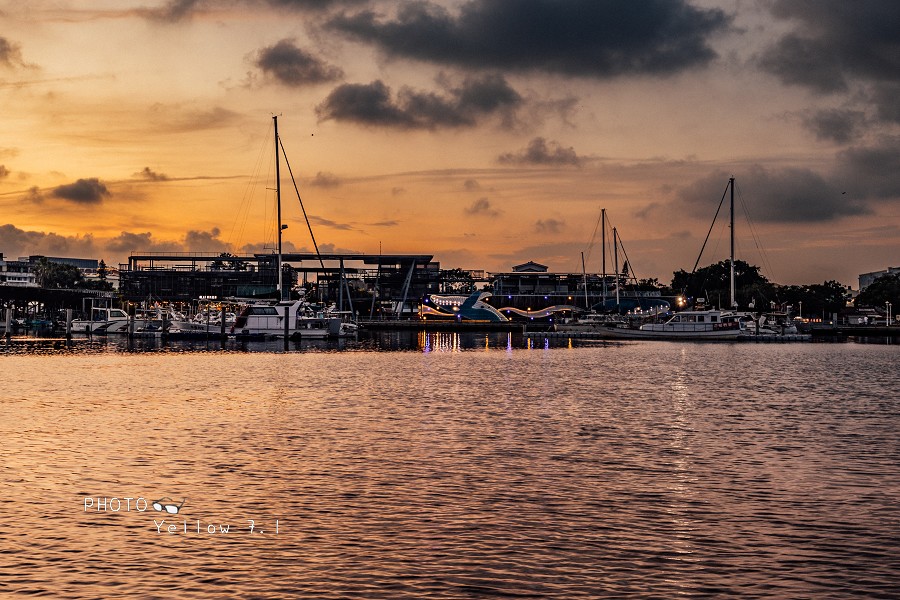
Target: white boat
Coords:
[(268, 320), (592, 321), (103, 320), (685, 325)]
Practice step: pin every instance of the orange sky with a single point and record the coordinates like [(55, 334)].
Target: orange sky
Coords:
[(487, 133)]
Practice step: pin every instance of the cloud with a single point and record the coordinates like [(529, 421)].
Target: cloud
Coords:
[(789, 195), (471, 185), (834, 43), (885, 99), (871, 172), (295, 67), (83, 191), (175, 119), (461, 106), (549, 226), (589, 38), (10, 54), (839, 125), (325, 180), (482, 207), (205, 241), (138, 242), (539, 152), (329, 223), (173, 11), (34, 195), (391, 223), (4, 172), (17, 242), (151, 175), (314, 5), (179, 10)]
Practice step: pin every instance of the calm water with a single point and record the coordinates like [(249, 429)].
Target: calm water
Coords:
[(468, 468)]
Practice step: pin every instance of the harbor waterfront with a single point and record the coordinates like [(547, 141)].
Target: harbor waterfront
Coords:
[(449, 465)]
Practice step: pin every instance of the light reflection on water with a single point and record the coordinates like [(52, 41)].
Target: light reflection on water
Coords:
[(472, 466)]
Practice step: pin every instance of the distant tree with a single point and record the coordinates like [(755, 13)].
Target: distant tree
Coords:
[(649, 285), (884, 289), (828, 297), (55, 275), (714, 283), (101, 282), (457, 281), (228, 262)]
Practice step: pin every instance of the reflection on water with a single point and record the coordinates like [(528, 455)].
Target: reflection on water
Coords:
[(466, 466)]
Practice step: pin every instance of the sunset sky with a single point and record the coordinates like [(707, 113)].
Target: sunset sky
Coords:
[(485, 132)]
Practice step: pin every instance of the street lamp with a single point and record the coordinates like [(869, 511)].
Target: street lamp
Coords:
[(801, 310), (887, 306)]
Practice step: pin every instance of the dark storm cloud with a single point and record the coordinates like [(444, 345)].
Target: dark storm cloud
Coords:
[(836, 42), (83, 191), (885, 98), (787, 195), (295, 67), (839, 125), (871, 172), (462, 106), (591, 38), (540, 152)]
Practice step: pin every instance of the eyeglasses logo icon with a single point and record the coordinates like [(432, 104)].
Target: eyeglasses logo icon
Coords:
[(168, 505)]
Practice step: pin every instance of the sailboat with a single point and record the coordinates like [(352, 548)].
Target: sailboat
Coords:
[(714, 324), (285, 318)]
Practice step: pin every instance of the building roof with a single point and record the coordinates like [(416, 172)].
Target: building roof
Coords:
[(530, 267)]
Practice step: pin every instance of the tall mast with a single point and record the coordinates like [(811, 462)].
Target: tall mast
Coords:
[(603, 250), (278, 197), (616, 254), (733, 301), (587, 304)]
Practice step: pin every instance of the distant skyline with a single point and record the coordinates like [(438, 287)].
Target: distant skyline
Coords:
[(485, 132)]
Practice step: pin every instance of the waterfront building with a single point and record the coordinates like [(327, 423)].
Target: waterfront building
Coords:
[(367, 284), (866, 279), (16, 273)]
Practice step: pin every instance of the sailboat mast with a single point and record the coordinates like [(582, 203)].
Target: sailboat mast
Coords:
[(278, 198), (587, 304), (603, 248), (733, 300), (616, 255)]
